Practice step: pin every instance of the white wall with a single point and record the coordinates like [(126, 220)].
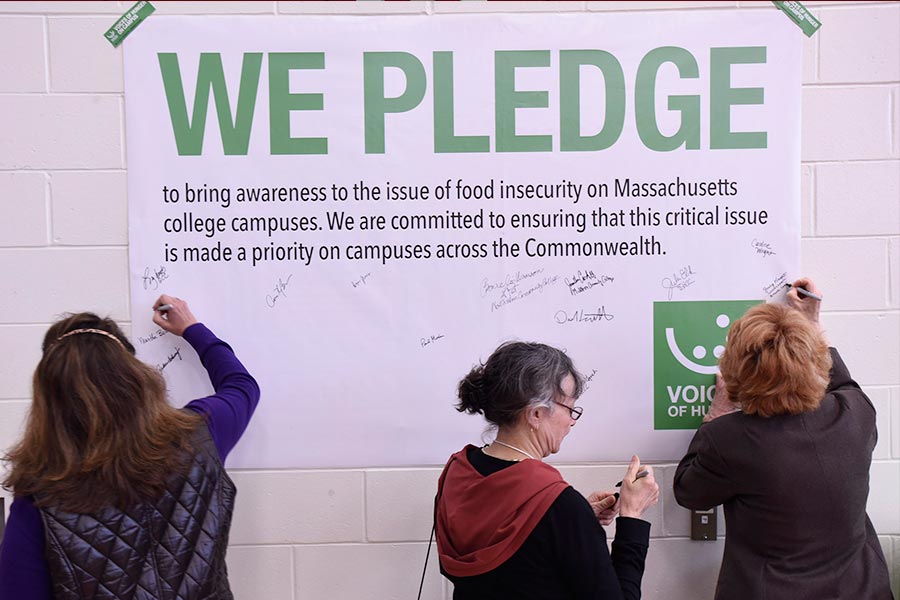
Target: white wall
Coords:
[(310, 535)]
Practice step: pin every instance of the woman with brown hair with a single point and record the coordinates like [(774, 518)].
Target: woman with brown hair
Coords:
[(786, 448), (117, 493)]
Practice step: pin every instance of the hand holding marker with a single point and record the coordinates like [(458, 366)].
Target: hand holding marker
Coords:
[(643, 473), (172, 314), (805, 292)]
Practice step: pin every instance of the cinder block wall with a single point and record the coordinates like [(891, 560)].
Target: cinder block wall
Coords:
[(361, 534)]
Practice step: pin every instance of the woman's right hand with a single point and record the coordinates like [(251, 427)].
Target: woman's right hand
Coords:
[(605, 506), (637, 495), (809, 307), (176, 318)]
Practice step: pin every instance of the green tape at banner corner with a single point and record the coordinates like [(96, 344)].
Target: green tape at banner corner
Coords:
[(800, 15), (128, 22)]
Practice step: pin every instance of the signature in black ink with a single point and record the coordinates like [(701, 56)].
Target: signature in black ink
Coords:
[(360, 281), (278, 291), (514, 289), (152, 278), (681, 280), (762, 247), (510, 280), (153, 335), (580, 316), (431, 339), (776, 286), (589, 378), (176, 353), (582, 281)]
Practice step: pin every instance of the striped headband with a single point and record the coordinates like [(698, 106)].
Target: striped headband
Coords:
[(88, 330)]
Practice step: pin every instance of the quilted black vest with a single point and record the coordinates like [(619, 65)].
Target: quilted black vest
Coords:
[(171, 549)]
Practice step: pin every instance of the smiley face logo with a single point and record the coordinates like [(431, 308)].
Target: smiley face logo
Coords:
[(700, 352), (688, 340)]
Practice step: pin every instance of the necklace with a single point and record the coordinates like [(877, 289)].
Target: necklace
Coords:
[(511, 447)]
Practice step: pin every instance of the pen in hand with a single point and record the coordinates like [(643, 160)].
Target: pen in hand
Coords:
[(164, 307), (643, 473), (805, 292)]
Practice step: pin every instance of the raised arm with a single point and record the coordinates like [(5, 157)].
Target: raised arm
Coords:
[(583, 558), (229, 409)]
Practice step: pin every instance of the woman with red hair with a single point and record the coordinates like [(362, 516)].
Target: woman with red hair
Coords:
[(786, 448)]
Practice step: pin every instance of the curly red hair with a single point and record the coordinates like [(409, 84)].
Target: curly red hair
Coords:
[(775, 362)]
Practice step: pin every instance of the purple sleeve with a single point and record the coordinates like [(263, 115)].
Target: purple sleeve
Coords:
[(228, 411), (24, 574)]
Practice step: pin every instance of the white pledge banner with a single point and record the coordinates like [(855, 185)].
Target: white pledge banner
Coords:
[(365, 207)]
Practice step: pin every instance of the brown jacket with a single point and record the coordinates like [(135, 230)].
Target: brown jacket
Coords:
[(794, 490)]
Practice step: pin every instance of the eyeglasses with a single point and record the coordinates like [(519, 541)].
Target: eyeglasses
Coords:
[(574, 411)]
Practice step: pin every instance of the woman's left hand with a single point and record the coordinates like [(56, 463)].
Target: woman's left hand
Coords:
[(721, 404), (605, 505)]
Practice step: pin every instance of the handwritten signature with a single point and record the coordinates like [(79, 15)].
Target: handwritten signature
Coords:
[(153, 335), (582, 281), (278, 292), (152, 278), (176, 353), (762, 247), (361, 280), (580, 316), (588, 380), (431, 339), (513, 292), (510, 280), (681, 280), (776, 286)]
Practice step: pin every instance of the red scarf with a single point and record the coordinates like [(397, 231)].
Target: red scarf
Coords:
[(482, 521)]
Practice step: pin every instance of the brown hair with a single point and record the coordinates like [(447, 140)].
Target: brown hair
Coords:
[(775, 362), (100, 431)]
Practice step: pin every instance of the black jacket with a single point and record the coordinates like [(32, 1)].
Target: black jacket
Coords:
[(171, 549)]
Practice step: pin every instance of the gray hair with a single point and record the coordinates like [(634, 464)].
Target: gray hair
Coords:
[(516, 377)]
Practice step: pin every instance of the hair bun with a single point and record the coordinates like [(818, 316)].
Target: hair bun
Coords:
[(472, 397)]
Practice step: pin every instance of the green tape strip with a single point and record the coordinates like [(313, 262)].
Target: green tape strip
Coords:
[(128, 22), (799, 15)]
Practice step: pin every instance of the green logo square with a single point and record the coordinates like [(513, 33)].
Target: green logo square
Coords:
[(688, 339)]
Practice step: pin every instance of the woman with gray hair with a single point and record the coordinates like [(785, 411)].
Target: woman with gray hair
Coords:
[(507, 523)]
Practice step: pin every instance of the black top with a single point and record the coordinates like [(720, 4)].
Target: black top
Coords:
[(565, 557), (172, 548)]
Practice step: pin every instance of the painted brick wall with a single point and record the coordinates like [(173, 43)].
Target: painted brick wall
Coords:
[(316, 534)]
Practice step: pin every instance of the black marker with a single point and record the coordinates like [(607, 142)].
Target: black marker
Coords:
[(806, 292), (636, 477)]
